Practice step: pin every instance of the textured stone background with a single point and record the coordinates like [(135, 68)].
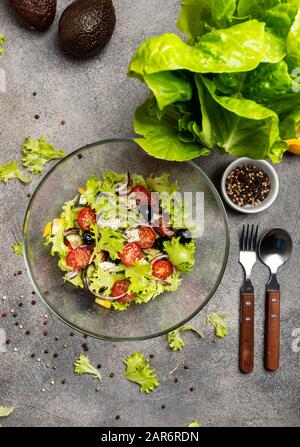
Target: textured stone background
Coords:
[(97, 101)]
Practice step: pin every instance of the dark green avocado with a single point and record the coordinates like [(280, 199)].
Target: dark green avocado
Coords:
[(86, 26), (38, 14)]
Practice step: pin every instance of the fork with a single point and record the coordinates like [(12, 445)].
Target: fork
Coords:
[(248, 245)]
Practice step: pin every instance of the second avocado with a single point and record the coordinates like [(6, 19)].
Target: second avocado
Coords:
[(86, 26)]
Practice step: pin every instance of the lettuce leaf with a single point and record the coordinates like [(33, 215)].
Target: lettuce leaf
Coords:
[(69, 214), (11, 170), (176, 342), (56, 238), (139, 274), (18, 248), (102, 281), (162, 183), (182, 256), (212, 54), (217, 320), (138, 371), (38, 153), (111, 241), (2, 40)]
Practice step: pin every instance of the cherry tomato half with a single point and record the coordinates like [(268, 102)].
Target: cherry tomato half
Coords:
[(162, 268), (147, 237), (131, 252), (121, 286), (141, 194), (86, 217), (78, 258)]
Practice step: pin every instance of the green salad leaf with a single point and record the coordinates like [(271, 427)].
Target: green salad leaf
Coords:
[(2, 40), (6, 411), (139, 274), (176, 342), (162, 183), (230, 87), (69, 213), (18, 248), (194, 423), (57, 238), (102, 281), (182, 256), (138, 371), (39, 152), (11, 170), (111, 241), (217, 320), (83, 366)]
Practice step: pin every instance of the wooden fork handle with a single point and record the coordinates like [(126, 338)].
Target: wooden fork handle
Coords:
[(272, 330), (247, 333)]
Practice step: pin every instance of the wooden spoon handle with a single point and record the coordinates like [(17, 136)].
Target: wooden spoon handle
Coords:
[(247, 333), (272, 330)]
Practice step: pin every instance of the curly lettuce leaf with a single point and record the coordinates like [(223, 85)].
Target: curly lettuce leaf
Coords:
[(293, 44), (38, 153), (212, 54), (92, 188), (102, 281), (160, 137), (194, 423), (18, 248), (111, 241), (197, 17), (57, 238), (69, 214), (139, 275), (138, 371), (217, 320), (2, 40), (176, 342), (137, 179), (182, 256), (6, 411), (11, 170), (120, 306), (83, 366)]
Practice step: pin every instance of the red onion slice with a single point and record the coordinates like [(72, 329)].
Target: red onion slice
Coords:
[(73, 274), (159, 257), (165, 231), (109, 298), (71, 231), (86, 282)]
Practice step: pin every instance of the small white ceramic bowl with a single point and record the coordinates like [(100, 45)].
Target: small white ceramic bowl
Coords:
[(264, 166)]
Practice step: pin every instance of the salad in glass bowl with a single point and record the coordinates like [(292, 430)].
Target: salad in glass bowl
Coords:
[(123, 238)]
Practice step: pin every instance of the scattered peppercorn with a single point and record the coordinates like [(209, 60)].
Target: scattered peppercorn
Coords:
[(37, 117), (79, 156), (99, 366), (45, 333), (33, 302), (33, 292), (71, 334), (46, 351), (20, 272), (34, 94), (117, 417), (27, 332), (33, 355), (151, 356), (4, 314), (20, 304), (16, 323), (55, 355), (63, 122), (176, 380), (8, 341), (112, 375), (63, 381), (248, 185), (28, 195), (163, 407), (15, 315), (192, 389)]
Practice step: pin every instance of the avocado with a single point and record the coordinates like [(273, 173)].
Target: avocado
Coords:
[(86, 26), (38, 14)]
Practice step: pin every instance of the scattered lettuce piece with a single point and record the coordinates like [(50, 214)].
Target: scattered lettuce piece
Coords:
[(69, 214), (138, 371), (83, 366), (56, 238), (217, 320), (176, 342), (182, 256), (38, 153), (18, 248), (120, 306), (194, 423), (2, 40), (6, 411), (11, 170)]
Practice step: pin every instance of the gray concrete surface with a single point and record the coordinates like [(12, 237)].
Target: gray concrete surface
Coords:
[(97, 101)]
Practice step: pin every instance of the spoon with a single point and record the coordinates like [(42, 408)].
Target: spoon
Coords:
[(274, 250)]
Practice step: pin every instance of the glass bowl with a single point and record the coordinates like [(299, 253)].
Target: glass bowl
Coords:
[(73, 305)]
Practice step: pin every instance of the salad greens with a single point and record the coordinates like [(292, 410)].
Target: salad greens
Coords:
[(83, 366), (11, 170), (2, 40), (194, 423), (232, 86), (37, 153), (106, 244), (138, 371), (6, 411), (176, 342), (217, 320), (18, 248)]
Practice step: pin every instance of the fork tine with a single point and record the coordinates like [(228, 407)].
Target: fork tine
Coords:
[(255, 238), (247, 238), (242, 239), (251, 238)]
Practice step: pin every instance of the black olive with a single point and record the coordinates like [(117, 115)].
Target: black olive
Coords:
[(185, 236), (159, 243), (88, 238)]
